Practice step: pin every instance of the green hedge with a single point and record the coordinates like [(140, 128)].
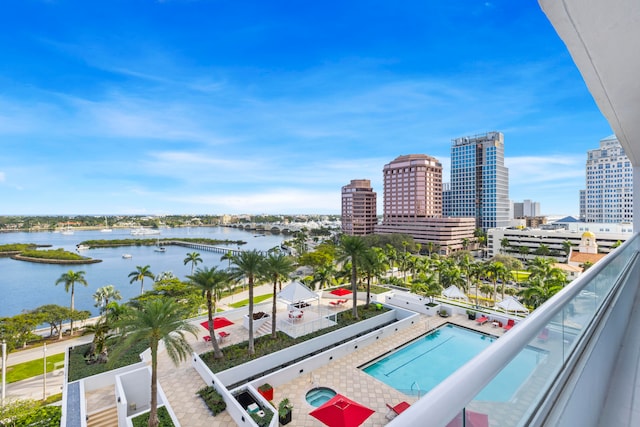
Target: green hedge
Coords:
[(213, 399), (163, 418), (44, 416), (53, 254), (78, 367)]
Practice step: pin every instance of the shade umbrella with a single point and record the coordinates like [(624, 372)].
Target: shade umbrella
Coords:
[(218, 322), (472, 419), (340, 292), (341, 411), (511, 304), (454, 292)]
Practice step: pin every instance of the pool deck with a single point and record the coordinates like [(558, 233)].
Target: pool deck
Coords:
[(343, 375)]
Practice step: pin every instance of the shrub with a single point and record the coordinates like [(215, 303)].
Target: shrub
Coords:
[(213, 399), (164, 419), (262, 421)]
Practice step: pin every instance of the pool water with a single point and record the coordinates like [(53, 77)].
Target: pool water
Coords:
[(421, 365), (319, 396)]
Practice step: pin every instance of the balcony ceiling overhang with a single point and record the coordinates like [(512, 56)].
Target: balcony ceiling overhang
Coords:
[(603, 38)]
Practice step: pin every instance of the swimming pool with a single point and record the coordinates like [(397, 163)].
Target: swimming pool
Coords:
[(422, 364)]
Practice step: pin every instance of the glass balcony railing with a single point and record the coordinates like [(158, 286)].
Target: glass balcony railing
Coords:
[(505, 384)]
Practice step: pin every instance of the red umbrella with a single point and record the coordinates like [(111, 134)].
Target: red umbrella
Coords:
[(472, 419), (218, 322), (341, 411), (340, 292)]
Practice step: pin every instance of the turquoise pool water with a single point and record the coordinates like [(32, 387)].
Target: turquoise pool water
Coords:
[(319, 396), (419, 366)]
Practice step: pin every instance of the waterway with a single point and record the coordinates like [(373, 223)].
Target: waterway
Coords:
[(26, 285)]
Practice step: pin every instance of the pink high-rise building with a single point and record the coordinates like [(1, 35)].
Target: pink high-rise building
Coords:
[(412, 189), (359, 216)]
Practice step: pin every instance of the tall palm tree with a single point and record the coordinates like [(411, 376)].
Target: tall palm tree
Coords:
[(352, 248), (324, 276), (70, 278), (372, 266), (153, 321), (193, 258), (504, 244), (277, 266), (228, 257), (496, 270), (104, 294), (140, 274), (211, 282), (566, 246), (249, 264)]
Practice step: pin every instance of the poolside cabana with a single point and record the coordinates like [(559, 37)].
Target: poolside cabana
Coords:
[(453, 292), (297, 295), (510, 304)]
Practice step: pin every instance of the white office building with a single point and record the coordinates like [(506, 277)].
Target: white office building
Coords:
[(609, 192)]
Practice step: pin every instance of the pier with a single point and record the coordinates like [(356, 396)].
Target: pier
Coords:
[(202, 247)]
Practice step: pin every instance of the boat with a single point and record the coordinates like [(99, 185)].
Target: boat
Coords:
[(68, 231), (159, 248), (82, 247), (126, 256), (144, 231), (106, 228)]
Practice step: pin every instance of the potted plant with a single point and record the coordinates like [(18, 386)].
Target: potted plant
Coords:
[(266, 391), (285, 411), (443, 313), (471, 314)]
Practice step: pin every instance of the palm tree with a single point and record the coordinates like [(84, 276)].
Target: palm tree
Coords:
[(249, 264), (392, 255), (542, 250), (352, 248), (194, 259), (566, 245), (104, 294), (372, 266), (228, 256), (140, 274), (497, 270), (537, 291), (504, 244), (153, 321), (277, 266), (324, 276), (211, 282), (70, 278)]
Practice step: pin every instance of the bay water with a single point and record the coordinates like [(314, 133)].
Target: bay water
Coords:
[(26, 285)]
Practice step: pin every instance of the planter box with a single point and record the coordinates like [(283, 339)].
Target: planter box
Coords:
[(286, 419), (267, 394), (256, 323)]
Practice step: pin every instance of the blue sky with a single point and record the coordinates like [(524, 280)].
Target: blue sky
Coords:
[(211, 107)]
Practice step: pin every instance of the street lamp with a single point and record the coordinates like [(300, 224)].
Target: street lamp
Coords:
[(44, 377), (4, 368)]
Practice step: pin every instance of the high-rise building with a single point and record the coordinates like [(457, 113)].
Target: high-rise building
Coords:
[(526, 208), (609, 192), (479, 180), (359, 216), (412, 189), (583, 205), (413, 204)]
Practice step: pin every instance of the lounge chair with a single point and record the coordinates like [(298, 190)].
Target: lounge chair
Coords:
[(543, 336), (334, 303), (207, 338), (223, 335), (397, 409), (510, 324), (482, 320)]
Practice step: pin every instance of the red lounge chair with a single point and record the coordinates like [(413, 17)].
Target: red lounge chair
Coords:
[(397, 409), (222, 335), (207, 338), (510, 324), (544, 335), (482, 320), (335, 303)]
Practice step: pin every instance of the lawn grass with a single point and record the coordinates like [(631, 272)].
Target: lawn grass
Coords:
[(32, 368), (256, 300)]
